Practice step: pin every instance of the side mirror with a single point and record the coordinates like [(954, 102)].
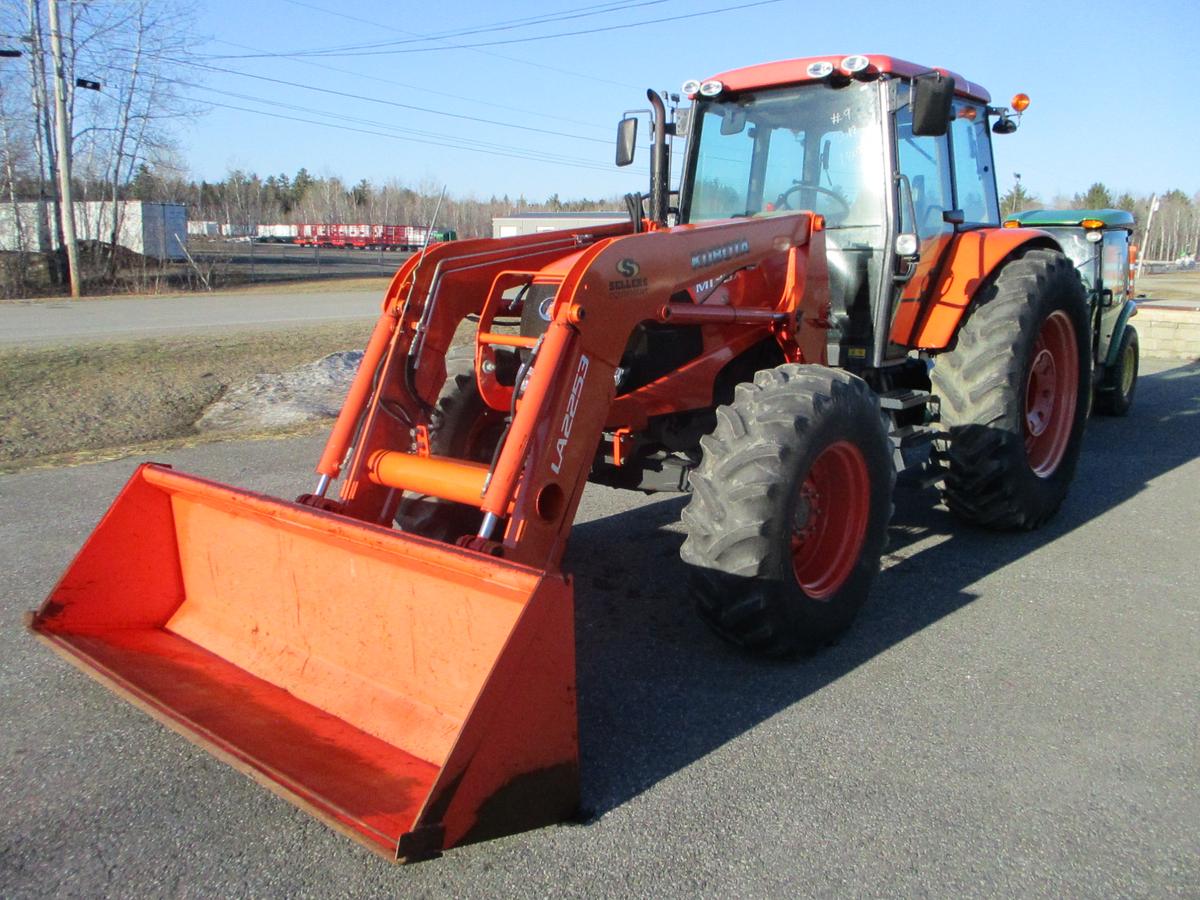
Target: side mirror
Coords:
[(1004, 125), (932, 97), (626, 140)]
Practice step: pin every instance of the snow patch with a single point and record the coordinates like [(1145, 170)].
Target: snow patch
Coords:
[(303, 394)]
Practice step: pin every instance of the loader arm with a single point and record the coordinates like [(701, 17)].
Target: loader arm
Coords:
[(399, 376), (613, 285)]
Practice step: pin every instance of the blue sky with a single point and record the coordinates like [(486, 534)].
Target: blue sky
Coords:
[(1114, 97)]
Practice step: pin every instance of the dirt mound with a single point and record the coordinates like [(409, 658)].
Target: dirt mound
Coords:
[(303, 394)]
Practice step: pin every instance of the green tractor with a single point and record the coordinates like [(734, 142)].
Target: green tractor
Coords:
[(1098, 242)]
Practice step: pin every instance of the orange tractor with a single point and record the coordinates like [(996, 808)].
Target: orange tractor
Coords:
[(829, 299)]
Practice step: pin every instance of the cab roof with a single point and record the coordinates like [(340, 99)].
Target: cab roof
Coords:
[(795, 71), (1112, 218)]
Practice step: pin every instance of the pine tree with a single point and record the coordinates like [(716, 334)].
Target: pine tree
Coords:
[(1097, 197), (1016, 200)]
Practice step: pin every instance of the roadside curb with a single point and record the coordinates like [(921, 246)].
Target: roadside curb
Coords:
[(1168, 332)]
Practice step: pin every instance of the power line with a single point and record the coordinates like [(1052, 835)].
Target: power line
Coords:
[(396, 137), (412, 87), (394, 132), (440, 139), (365, 51), (590, 77), (506, 25), (368, 99)]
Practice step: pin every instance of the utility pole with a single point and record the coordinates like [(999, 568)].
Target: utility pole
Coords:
[(63, 130), (1154, 201)]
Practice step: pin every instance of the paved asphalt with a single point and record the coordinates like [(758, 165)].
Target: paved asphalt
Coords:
[(1012, 715), (60, 321)]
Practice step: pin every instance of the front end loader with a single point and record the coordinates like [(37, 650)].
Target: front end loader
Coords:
[(397, 655)]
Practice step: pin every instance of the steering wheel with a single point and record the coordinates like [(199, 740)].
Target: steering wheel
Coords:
[(782, 202)]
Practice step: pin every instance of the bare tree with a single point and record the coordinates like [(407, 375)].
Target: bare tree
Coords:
[(13, 158), (49, 219), (125, 46)]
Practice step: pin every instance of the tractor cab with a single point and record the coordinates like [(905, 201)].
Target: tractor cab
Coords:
[(894, 157), (1098, 241)]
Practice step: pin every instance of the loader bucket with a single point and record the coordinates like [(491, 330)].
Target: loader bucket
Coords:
[(413, 694)]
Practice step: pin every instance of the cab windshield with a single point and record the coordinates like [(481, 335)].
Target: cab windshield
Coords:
[(816, 147)]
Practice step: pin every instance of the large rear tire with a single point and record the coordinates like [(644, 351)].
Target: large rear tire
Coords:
[(1115, 396), (1014, 394), (462, 426), (789, 510)]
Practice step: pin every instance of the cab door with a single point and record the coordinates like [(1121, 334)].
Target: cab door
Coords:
[(953, 184), (1114, 278), (924, 190)]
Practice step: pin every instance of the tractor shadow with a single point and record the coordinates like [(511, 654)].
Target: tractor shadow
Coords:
[(657, 691)]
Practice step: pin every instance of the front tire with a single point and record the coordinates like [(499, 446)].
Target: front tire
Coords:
[(1014, 395), (789, 510), (1115, 396)]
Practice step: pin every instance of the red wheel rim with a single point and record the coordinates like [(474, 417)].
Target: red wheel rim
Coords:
[(830, 522), (1051, 393)]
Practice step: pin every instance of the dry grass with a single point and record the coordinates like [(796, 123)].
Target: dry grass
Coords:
[(1170, 286), (314, 286), (102, 399), (299, 286)]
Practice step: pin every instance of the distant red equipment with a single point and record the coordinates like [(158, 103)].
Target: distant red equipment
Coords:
[(370, 237)]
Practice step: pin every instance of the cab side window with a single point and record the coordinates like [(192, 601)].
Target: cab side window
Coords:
[(974, 175), (925, 161), (1115, 263)]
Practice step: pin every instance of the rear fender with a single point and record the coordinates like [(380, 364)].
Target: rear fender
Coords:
[(1128, 311), (930, 321)]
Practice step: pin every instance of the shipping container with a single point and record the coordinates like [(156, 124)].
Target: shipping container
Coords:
[(158, 230), (276, 234)]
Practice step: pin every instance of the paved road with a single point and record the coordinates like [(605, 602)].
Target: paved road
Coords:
[(1013, 715), (265, 261), (60, 321)]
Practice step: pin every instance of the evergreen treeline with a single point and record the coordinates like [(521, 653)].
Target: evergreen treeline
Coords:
[(244, 200), (1174, 230)]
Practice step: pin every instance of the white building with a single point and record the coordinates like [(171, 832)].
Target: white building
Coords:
[(204, 228), (157, 230), (535, 222)]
